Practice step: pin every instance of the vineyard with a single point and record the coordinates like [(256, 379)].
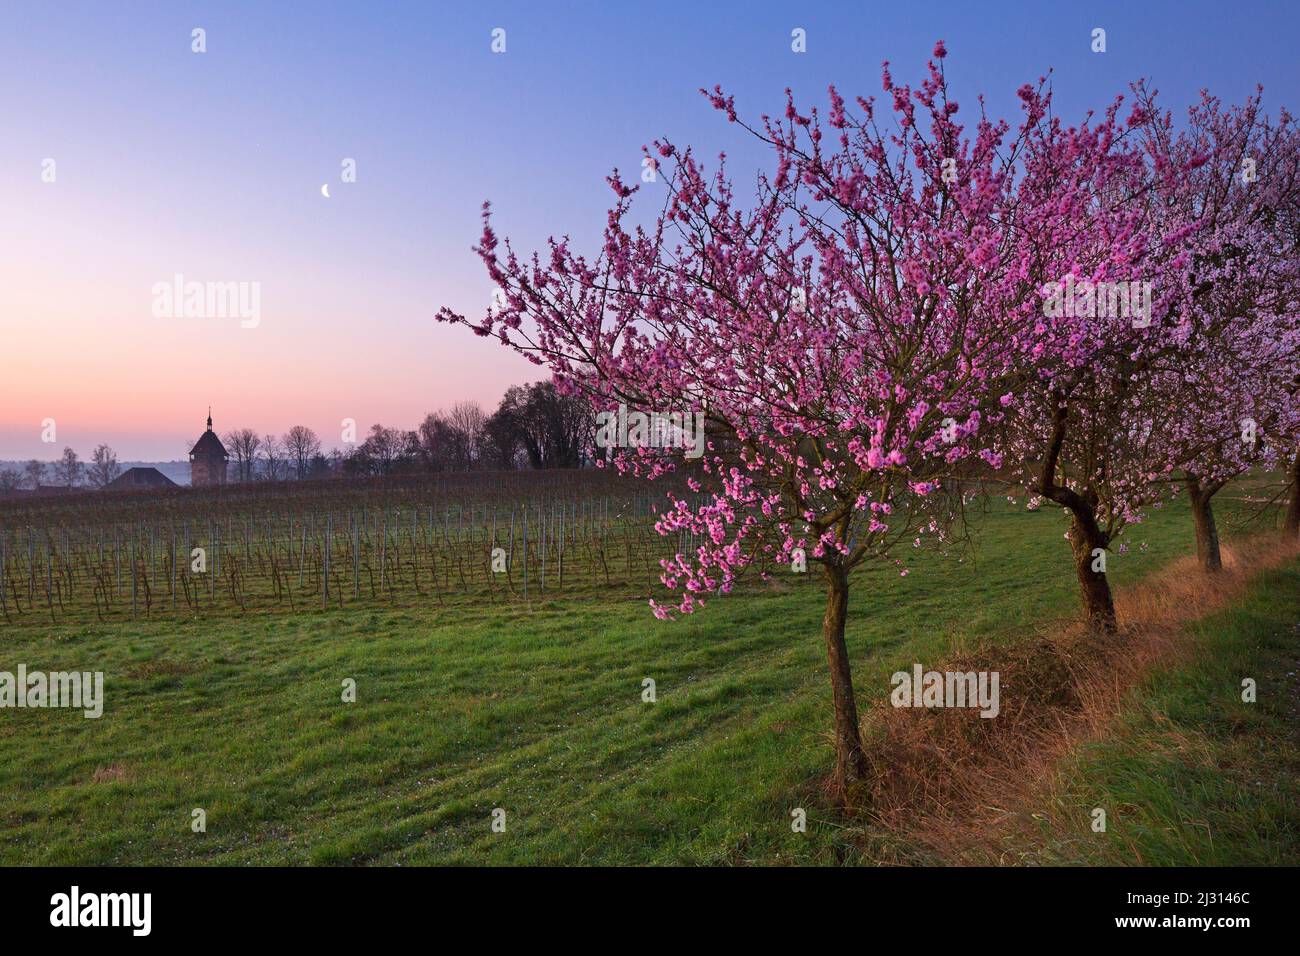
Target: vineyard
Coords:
[(238, 549)]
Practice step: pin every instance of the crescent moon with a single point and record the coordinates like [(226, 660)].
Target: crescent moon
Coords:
[(325, 190)]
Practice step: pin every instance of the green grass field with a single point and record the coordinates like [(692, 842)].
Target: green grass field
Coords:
[(537, 710)]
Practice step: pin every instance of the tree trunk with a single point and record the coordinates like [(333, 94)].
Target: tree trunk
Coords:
[(1291, 527), (1207, 535), (1085, 538), (850, 763), (1086, 535)]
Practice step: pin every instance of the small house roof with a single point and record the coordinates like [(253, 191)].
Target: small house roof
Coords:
[(140, 478)]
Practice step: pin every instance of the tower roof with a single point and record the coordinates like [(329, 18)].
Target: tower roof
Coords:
[(209, 444)]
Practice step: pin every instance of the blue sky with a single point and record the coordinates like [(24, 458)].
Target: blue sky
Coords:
[(211, 165)]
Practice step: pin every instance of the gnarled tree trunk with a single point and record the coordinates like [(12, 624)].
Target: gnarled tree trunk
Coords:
[(850, 763), (1291, 526), (1086, 535), (1087, 538), (1207, 535)]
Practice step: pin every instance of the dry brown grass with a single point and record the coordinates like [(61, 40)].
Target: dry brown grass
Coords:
[(108, 774), (946, 780), (160, 668)]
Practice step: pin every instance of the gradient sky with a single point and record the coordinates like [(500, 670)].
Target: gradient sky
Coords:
[(210, 165)]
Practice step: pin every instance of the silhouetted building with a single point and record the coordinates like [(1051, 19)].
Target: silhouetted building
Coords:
[(138, 478), (208, 459)]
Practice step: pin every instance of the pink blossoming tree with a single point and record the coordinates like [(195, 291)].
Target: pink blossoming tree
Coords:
[(1084, 435), (1230, 392), (851, 335)]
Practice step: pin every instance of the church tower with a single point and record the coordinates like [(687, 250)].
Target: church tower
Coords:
[(208, 459)]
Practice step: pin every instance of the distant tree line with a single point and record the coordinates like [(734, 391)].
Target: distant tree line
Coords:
[(534, 426), (68, 472)]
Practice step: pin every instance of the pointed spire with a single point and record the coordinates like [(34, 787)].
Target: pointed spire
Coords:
[(209, 418)]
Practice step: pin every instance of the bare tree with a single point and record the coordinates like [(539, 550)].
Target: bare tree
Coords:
[(10, 481), (69, 468), (103, 467), (437, 442), (552, 429), (385, 450), (242, 444), (274, 462), (301, 445), (454, 440), (467, 420), (501, 445), (35, 472)]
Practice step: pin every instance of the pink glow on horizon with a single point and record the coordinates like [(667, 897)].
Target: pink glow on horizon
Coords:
[(340, 335)]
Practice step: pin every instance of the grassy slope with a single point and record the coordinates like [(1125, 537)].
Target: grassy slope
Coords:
[(1192, 774), (536, 710)]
